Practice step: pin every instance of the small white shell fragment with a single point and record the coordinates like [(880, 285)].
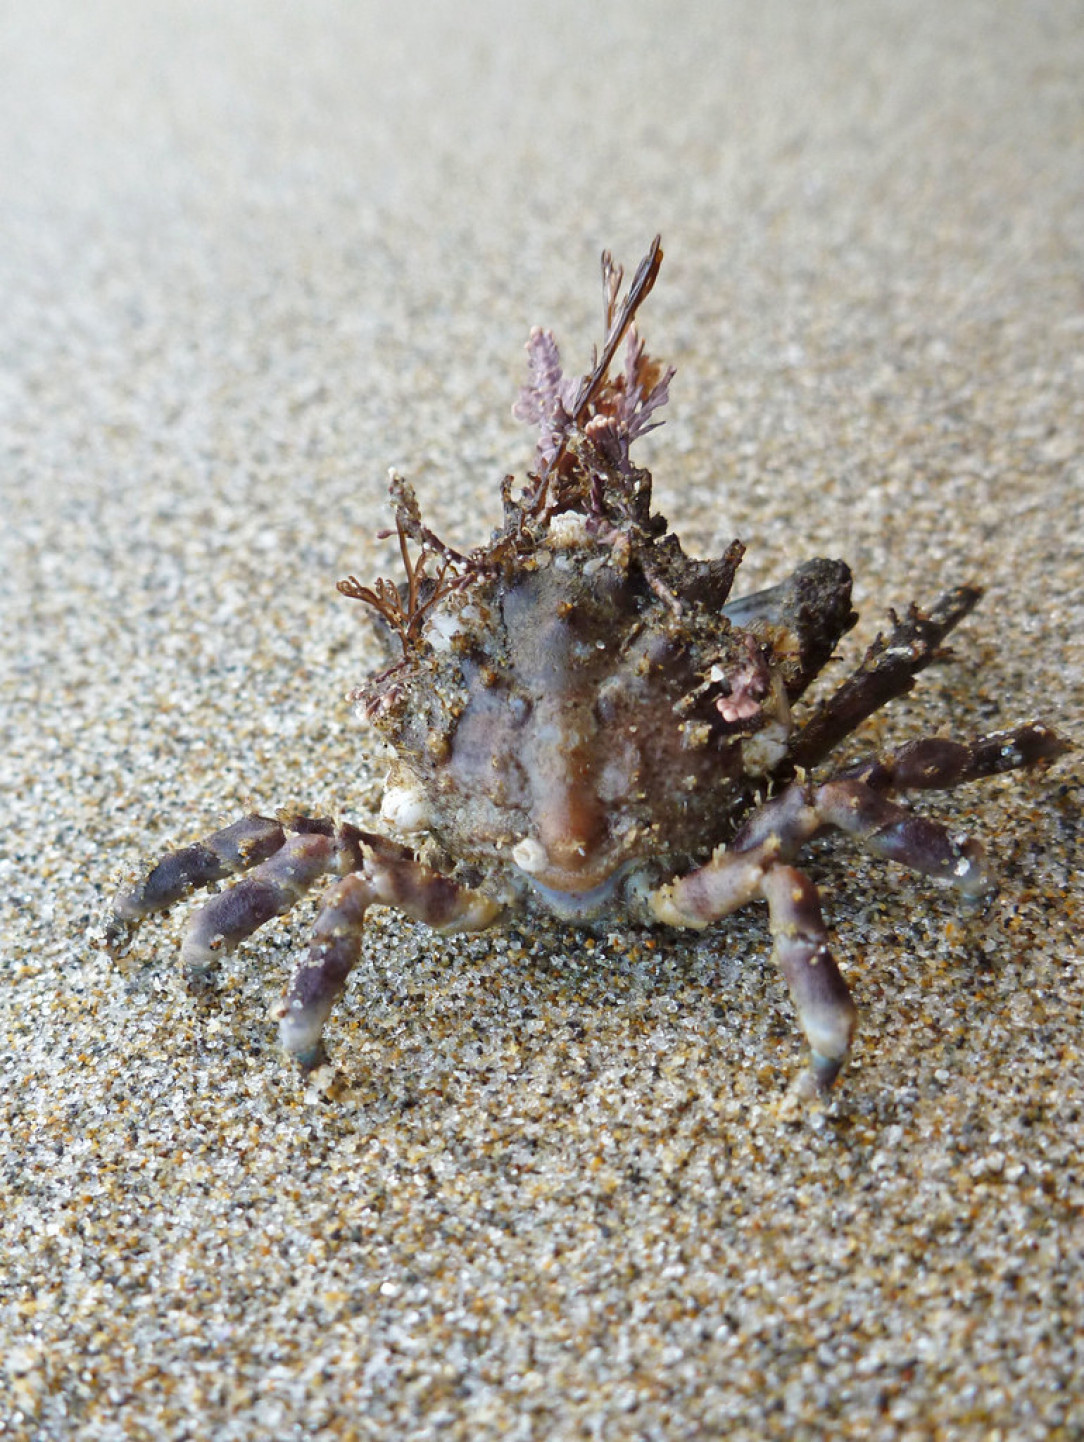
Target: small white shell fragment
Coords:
[(530, 855), (441, 630), (405, 807)]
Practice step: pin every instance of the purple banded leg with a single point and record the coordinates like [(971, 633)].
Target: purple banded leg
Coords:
[(280, 871), (271, 889), (318, 981), (827, 1014), (383, 879), (235, 848), (890, 831), (882, 827), (855, 802), (756, 864), (937, 764), (732, 879)]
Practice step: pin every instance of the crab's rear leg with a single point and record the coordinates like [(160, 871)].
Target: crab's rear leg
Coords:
[(383, 878), (887, 670), (936, 763)]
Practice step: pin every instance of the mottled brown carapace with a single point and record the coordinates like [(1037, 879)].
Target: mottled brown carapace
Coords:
[(585, 725)]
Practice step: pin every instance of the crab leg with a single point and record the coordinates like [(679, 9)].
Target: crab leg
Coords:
[(890, 831), (235, 848), (825, 1009), (730, 880), (937, 763), (854, 801), (882, 827), (280, 870), (271, 889), (887, 670), (386, 879), (757, 864)]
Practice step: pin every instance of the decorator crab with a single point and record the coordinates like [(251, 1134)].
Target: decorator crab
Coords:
[(584, 726)]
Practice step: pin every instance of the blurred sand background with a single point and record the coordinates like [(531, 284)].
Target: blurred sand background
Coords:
[(252, 255)]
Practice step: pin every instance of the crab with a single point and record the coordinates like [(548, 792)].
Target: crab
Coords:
[(584, 725)]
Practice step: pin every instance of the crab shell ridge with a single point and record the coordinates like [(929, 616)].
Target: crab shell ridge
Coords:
[(591, 713)]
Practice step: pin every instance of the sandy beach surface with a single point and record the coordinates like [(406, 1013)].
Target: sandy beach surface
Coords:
[(253, 255)]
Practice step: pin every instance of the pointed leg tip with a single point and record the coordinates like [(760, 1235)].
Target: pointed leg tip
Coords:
[(311, 1059), (202, 983), (301, 1034), (128, 906), (973, 873), (309, 1055), (201, 978), (200, 956), (117, 934), (811, 1089), (822, 1073)]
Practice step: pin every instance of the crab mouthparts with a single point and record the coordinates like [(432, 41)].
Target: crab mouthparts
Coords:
[(577, 905), (566, 865)]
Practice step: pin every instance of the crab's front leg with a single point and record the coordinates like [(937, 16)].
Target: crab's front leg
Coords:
[(730, 880), (280, 867), (756, 865), (237, 847), (385, 877)]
